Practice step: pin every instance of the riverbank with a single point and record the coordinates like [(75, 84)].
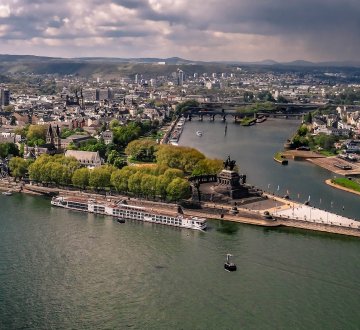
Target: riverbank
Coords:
[(285, 212), (331, 184), (215, 212), (333, 164)]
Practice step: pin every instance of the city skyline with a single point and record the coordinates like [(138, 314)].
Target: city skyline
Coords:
[(318, 30)]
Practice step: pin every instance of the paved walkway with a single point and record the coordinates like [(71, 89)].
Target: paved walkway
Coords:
[(297, 211), (312, 214)]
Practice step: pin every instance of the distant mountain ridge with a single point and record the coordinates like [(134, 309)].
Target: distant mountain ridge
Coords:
[(112, 67), (170, 60)]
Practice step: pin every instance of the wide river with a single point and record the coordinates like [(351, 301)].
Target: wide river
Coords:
[(62, 269)]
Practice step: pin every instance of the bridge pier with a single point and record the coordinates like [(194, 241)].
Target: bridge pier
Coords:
[(201, 118), (212, 117), (224, 118)]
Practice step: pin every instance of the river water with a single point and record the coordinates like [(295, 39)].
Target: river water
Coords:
[(254, 147), (63, 269)]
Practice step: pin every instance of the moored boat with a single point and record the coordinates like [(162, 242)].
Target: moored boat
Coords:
[(7, 193), (199, 133), (122, 210)]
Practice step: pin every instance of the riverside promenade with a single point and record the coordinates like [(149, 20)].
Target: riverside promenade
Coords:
[(292, 214), (285, 212)]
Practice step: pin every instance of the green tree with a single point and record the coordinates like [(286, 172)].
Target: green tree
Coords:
[(124, 134), (81, 177), (184, 106), (208, 166), (308, 118), (114, 123), (148, 185), (36, 132), (303, 130), (178, 189), (120, 178), (8, 148), (18, 167), (57, 173), (162, 182), (265, 96), (36, 135), (142, 150), (182, 158), (173, 173), (46, 171), (248, 96), (100, 177), (134, 183)]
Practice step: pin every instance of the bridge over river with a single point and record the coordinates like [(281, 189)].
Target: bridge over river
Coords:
[(201, 113)]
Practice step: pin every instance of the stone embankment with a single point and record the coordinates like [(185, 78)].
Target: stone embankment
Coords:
[(319, 227), (215, 211), (296, 215), (8, 184)]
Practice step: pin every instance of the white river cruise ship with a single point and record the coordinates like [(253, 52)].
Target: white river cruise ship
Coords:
[(126, 211)]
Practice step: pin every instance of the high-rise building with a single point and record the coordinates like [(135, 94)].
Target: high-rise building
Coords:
[(97, 94), (110, 95), (180, 77), (5, 97)]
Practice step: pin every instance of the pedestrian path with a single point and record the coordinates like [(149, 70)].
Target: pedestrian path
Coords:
[(312, 214)]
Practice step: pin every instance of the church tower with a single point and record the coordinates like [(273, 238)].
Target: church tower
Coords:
[(53, 136), (49, 136), (57, 138)]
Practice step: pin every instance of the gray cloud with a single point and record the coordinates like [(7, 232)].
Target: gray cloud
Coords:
[(235, 29)]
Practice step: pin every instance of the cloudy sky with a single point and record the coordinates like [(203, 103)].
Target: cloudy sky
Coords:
[(248, 30)]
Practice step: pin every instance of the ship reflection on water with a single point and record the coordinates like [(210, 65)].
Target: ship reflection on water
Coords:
[(227, 227)]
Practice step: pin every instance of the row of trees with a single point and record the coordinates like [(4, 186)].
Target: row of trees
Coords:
[(151, 182), (154, 181), (56, 169)]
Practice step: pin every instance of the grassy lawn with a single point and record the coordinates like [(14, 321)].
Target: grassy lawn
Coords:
[(345, 182), (279, 156), (326, 153)]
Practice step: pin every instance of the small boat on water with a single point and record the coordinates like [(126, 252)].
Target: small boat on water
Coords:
[(229, 266), (199, 133), (7, 193), (120, 220)]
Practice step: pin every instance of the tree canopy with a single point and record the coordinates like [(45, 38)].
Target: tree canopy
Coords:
[(18, 167), (183, 158), (8, 148), (36, 135), (184, 106), (142, 150)]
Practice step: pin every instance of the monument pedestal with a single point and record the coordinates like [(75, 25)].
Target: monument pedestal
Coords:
[(231, 184)]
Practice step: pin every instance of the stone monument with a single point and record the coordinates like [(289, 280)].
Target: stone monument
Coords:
[(230, 183)]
